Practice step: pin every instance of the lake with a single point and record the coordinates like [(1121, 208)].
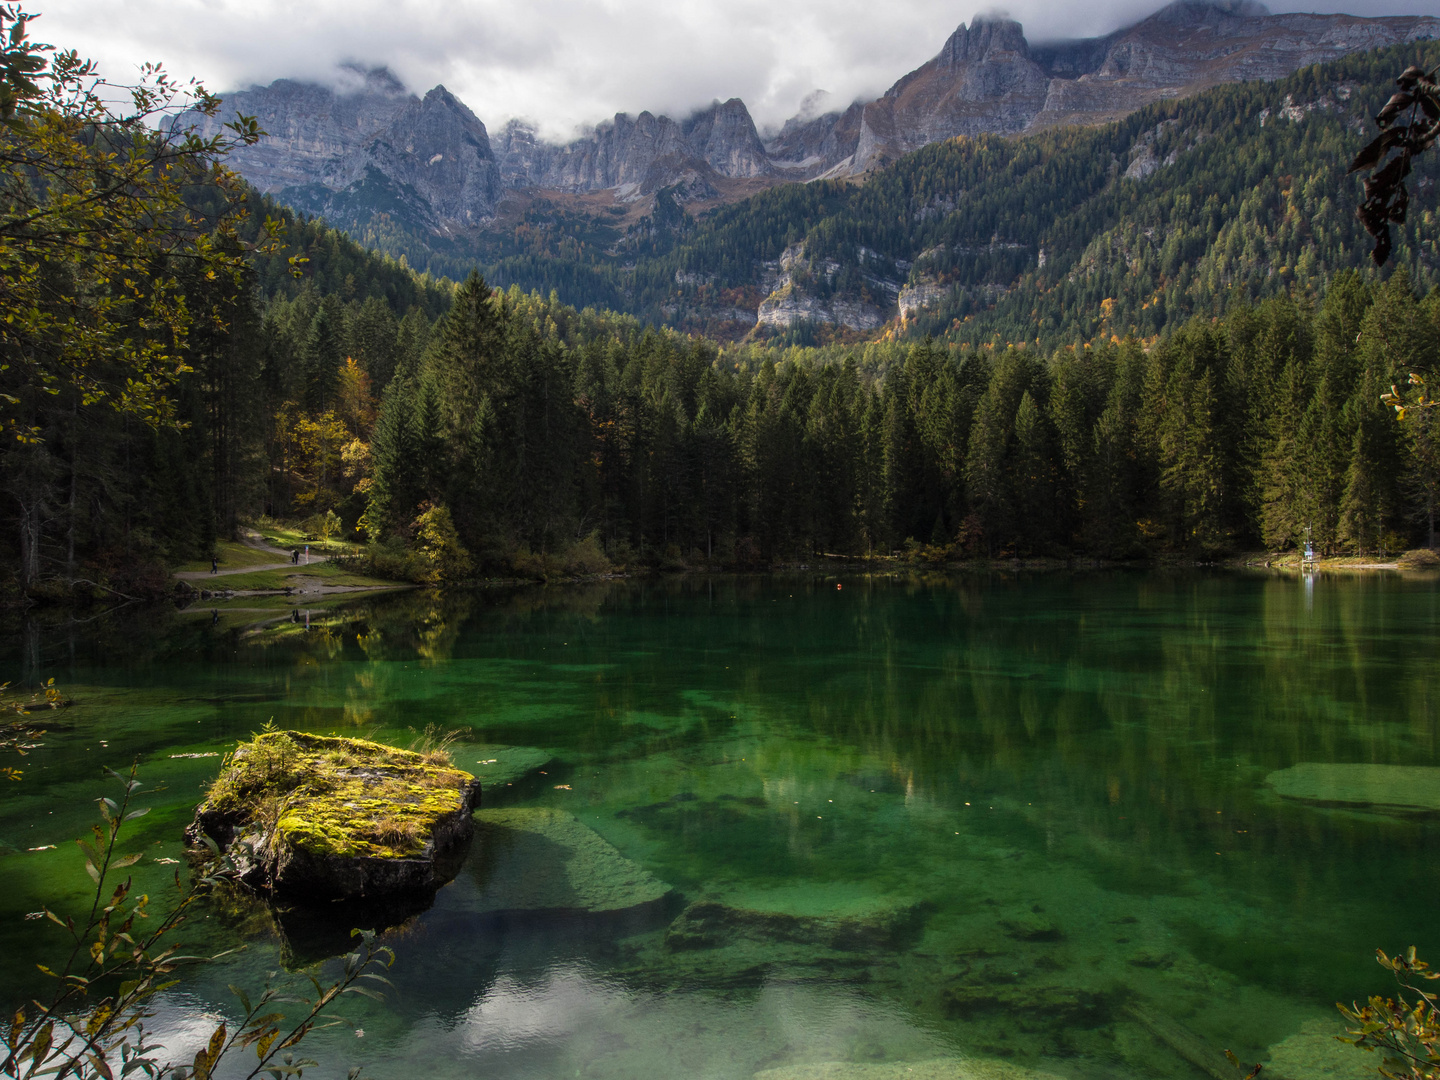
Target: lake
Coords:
[(1022, 819)]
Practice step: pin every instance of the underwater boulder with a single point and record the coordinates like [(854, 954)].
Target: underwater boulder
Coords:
[(499, 766), (1413, 788), (1031, 926), (937, 1069), (831, 916), (1315, 1053), (545, 859), (1030, 1007), (326, 818)]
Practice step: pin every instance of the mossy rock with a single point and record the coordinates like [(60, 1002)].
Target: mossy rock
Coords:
[(332, 818), (1405, 788)]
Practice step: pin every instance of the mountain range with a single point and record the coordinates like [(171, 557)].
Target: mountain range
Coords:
[(375, 151)]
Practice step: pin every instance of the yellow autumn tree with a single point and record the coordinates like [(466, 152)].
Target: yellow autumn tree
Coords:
[(314, 447), (355, 402), (438, 542)]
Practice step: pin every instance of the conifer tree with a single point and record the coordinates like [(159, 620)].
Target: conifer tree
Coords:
[(374, 335), (395, 487), (321, 357), (1033, 475), (1287, 506)]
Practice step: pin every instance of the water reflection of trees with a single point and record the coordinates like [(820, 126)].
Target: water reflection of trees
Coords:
[(1141, 714), (1127, 707)]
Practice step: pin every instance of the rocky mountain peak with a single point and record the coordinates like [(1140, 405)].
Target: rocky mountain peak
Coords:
[(358, 79), (439, 103), (985, 39), (364, 145), (724, 137), (1186, 12)]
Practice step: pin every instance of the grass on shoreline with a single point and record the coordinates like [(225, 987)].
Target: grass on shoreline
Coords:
[(298, 577), (232, 555)]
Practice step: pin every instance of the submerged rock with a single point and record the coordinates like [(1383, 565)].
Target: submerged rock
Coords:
[(829, 916), (1313, 1053), (499, 766), (1397, 787), (1188, 1044), (937, 1069), (310, 816), (539, 859), (1029, 1006), (1031, 926)]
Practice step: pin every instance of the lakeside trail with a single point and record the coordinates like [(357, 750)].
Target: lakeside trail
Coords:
[(250, 539), (301, 584)]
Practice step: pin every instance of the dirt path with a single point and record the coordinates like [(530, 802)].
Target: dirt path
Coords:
[(251, 539), (196, 575)]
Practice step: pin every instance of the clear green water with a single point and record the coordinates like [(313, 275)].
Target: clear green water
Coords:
[(1060, 777)]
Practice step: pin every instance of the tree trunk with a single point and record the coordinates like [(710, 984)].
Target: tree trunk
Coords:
[(31, 526)]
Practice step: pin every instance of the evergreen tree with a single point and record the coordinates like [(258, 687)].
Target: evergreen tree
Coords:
[(1034, 476), (321, 357), (395, 488)]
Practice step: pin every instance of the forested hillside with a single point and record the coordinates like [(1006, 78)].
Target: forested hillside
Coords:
[(105, 491), (1172, 212), (275, 367), (1221, 436), (526, 427)]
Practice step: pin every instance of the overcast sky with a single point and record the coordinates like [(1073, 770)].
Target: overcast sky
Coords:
[(568, 62)]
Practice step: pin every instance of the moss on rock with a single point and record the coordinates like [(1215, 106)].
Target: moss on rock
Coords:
[(338, 818)]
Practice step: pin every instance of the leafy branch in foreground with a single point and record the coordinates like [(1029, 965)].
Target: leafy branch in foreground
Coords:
[(20, 735), (93, 1027), (97, 222), (1407, 1032), (1388, 157)]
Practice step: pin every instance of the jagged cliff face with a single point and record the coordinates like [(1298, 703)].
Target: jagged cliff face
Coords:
[(309, 126), (637, 155), (435, 156), (983, 81), (352, 152), (1193, 45), (988, 78), (375, 147)]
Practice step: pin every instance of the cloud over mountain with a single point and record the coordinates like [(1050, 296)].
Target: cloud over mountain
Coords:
[(564, 63)]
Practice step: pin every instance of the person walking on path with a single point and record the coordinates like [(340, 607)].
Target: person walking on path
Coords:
[(214, 565), (295, 556)]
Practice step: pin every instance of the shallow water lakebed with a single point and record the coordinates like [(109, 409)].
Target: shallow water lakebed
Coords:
[(808, 826)]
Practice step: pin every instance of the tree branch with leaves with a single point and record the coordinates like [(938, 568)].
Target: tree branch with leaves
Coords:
[(1405, 1030), (1409, 125), (95, 220), (119, 961)]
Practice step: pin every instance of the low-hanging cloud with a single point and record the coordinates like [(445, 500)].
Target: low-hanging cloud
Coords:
[(564, 63)]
